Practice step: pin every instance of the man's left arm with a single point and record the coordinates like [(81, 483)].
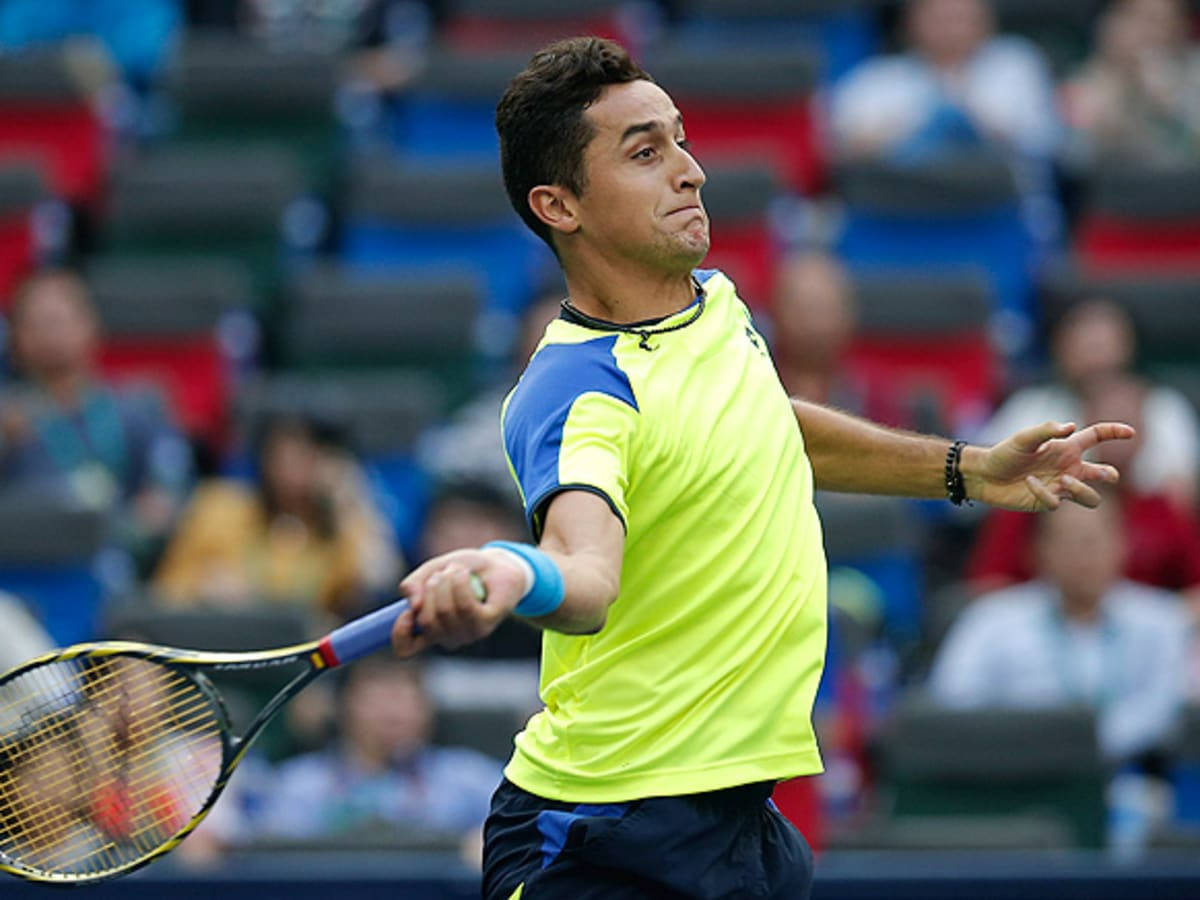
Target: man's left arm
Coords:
[(1034, 469)]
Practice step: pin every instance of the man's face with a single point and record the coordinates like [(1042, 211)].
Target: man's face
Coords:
[(641, 195), (1080, 550), (948, 31), (55, 331)]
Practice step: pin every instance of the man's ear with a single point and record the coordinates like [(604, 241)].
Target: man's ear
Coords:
[(555, 206)]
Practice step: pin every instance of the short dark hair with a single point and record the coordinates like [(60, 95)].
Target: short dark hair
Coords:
[(540, 121)]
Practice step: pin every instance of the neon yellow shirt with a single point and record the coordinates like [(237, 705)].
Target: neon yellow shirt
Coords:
[(704, 675)]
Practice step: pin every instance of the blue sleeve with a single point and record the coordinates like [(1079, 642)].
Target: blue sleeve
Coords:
[(567, 425)]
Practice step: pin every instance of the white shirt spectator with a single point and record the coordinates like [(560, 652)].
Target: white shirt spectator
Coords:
[(1005, 89), (1013, 648)]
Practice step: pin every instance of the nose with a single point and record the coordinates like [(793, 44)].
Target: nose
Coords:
[(690, 175)]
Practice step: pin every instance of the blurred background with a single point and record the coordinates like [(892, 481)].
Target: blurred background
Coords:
[(262, 296)]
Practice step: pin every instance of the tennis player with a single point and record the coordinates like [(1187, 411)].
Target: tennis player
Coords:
[(678, 571)]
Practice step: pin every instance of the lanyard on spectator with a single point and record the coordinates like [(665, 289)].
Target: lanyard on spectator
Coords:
[(1069, 675), (95, 435)]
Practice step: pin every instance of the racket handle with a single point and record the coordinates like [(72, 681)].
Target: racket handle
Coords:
[(363, 636)]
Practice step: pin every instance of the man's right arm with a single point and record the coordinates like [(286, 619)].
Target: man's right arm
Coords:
[(582, 537)]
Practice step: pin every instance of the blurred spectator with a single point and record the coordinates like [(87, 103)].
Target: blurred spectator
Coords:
[(382, 39), (21, 637), (1094, 339), (63, 425), (1077, 635), (469, 447), (306, 533), (137, 33), (382, 774), (1162, 539), (959, 86), (812, 324), (1138, 95), (469, 514)]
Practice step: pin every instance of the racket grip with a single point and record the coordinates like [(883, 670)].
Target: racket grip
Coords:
[(364, 635)]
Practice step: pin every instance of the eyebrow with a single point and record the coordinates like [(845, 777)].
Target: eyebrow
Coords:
[(644, 127)]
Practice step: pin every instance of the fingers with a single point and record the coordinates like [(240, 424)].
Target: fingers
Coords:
[(1045, 497), (1066, 487), (448, 605), (1029, 439), (1103, 431), (1101, 472)]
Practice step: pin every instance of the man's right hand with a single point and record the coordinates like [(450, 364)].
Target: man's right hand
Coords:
[(445, 605)]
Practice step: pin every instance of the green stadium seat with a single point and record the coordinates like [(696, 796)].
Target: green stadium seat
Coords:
[(227, 90), (205, 202), (997, 762)]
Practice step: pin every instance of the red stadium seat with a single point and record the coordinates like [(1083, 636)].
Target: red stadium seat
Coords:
[(1141, 218), (923, 352), (192, 372), (483, 25), (731, 113), (738, 200), (160, 319), (20, 190), (46, 115)]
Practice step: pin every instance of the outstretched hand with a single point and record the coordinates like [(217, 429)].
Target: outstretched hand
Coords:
[(1038, 468)]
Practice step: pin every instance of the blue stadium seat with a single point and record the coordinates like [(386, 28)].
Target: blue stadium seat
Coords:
[(844, 33), (950, 215), (405, 215), (48, 558)]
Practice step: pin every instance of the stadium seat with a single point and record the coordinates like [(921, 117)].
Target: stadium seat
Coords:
[(162, 320), (47, 558), (922, 350), (1141, 218), (46, 114), (842, 33), (341, 317), (739, 201), (229, 90), (997, 762), (488, 25), (882, 538), (446, 117), (406, 215), (731, 114), (1186, 776), (206, 202), (953, 214), (21, 189)]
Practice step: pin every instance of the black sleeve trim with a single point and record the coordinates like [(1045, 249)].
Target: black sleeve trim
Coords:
[(535, 516)]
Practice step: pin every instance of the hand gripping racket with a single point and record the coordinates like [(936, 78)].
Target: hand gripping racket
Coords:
[(112, 752)]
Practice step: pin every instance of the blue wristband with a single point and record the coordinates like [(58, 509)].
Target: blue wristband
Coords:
[(548, 589)]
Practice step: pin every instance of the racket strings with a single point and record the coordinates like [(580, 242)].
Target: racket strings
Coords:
[(102, 759)]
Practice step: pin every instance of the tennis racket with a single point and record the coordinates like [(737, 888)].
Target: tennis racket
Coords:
[(112, 752)]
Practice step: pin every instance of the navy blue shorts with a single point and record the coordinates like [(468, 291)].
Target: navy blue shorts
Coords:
[(731, 843)]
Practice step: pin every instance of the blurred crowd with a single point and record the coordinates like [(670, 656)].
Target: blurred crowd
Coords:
[(262, 301)]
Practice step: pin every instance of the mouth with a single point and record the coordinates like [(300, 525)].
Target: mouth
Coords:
[(691, 208)]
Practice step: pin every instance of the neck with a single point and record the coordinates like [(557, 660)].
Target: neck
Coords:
[(1081, 609), (625, 293), (66, 388), (366, 758)]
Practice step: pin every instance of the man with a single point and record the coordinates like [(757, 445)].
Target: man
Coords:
[(1078, 634), (64, 425), (679, 577)]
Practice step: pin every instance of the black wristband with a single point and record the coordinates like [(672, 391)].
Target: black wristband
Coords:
[(956, 490)]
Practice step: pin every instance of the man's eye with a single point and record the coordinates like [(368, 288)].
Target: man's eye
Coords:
[(644, 153)]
